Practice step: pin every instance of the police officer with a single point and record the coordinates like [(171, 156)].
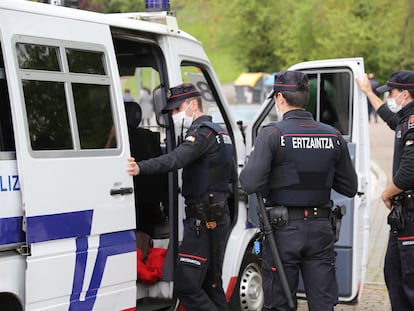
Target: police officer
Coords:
[(398, 113), (205, 155), (294, 164)]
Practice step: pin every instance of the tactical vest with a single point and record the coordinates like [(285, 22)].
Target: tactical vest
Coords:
[(212, 171), (302, 173)]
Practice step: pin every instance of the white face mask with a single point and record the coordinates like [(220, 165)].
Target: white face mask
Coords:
[(182, 122), (392, 104)]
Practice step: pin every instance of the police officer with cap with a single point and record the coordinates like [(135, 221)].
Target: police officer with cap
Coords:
[(295, 163), (398, 113), (205, 154)]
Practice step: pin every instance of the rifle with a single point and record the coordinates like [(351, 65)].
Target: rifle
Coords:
[(268, 232)]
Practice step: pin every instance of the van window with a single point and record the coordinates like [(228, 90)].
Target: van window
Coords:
[(67, 96), (194, 73), (6, 128), (38, 57), (93, 110), (330, 99), (85, 61), (47, 115)]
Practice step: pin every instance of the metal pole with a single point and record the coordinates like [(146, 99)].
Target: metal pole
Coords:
[(268, 232)]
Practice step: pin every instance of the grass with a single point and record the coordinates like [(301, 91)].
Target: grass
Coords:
[(189, 20)]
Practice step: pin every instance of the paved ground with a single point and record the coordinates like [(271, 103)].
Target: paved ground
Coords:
[(374, 295)]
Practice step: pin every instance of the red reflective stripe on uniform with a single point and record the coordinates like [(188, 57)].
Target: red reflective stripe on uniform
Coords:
[(130, 309), (180, 308), (273, 132), (192, 256), (273, 268), (283, 84), (209, 134), (405, 238), (312, 135), (230, 287), (308, 124), (183, 94), (305, 213), (399, 84)]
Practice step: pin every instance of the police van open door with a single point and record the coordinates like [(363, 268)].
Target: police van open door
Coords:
[(335, 99), (68, 137)]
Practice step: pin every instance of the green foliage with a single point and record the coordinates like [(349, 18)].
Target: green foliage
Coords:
[(121, 6), (272, 35), (249, 32), (268, 35), (205, 21)]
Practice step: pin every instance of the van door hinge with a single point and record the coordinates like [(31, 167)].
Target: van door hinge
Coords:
[(24, 250)]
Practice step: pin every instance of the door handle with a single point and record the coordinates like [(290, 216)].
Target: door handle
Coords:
[(122, 191)]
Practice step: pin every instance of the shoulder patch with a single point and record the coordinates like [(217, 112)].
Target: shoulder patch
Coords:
[(409, 142), (411, 122), (191, 139)]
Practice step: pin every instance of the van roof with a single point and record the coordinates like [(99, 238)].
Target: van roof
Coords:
[(123, 20)]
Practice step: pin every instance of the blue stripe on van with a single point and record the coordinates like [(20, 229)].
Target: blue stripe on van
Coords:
[(58, 226), (11, 230), (110, 244)]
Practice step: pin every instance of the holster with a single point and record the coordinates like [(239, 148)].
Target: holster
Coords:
[(278, 216), (209, 214), (336, 219), (396, 217)]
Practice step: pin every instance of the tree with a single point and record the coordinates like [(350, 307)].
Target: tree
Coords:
[(407, 41), (270, 36), (249, 30)]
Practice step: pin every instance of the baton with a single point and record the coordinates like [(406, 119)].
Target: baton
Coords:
[(268, 232), (211, 225)]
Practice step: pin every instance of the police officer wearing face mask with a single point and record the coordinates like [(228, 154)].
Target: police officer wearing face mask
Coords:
[(295, 163), (205, 154), (398, 113)]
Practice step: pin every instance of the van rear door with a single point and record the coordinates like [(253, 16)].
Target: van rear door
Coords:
[(71, 151), (335, 99)]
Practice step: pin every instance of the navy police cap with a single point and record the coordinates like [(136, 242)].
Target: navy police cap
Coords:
[(178, 94), (291, 81), (402, 80)]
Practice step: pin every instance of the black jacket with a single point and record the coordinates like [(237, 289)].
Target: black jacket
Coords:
[(202, 154), (403, 125), (297, 161)]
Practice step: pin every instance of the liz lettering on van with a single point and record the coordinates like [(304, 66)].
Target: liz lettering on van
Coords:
[(9, 183)]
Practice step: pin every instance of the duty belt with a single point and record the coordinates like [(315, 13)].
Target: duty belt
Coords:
[(300, 212), (406, 198), (205, 211)]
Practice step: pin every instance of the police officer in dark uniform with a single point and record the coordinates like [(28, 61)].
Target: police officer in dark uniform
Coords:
[(398, 113), (295, 163), (205, 154)]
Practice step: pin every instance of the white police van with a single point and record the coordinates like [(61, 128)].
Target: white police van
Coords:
[(68, 217)]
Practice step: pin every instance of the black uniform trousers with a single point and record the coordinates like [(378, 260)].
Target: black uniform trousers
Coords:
[(399, 266), (194, 274), (306, 246)]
